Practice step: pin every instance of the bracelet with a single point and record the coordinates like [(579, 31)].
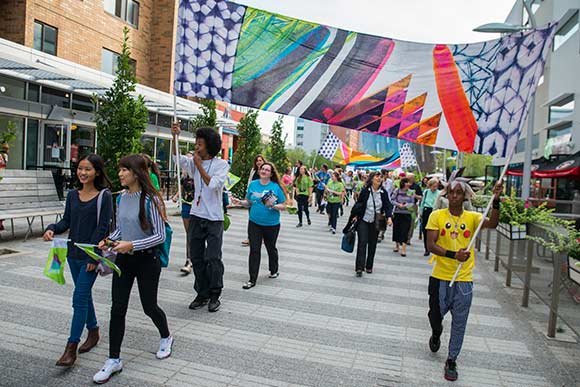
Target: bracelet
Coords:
[(495, 204), (450, 254)]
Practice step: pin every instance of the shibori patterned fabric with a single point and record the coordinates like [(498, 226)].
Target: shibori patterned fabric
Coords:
[(466, 97), (408, 159), (330, 146)]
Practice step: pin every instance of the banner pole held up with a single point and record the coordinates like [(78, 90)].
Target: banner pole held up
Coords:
[(480, 225), (178, 163)]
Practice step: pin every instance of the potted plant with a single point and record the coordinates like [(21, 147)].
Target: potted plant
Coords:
[(515, 215)]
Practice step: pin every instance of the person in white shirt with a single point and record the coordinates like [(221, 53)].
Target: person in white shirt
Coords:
[(206, 227)]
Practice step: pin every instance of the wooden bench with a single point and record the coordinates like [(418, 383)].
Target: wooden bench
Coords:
[(30, 195)]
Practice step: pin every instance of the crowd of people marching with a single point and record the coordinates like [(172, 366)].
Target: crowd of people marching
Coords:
[(377, 200)]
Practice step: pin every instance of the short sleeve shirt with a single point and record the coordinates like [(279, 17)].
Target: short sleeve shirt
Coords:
[(336, 186), (263, 197), (454, 233)]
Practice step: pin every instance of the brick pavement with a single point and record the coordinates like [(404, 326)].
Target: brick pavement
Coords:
[(316, 325)]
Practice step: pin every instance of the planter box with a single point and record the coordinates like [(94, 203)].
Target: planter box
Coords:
[(573, 270), (514, 233)]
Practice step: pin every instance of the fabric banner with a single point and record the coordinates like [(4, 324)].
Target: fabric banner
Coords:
[(389, 163), (408, 159), (337, 151), (467, 97), (90, 250), (231, 181), (54, 267)]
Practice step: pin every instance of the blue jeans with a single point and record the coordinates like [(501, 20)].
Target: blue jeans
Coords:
[(457, 300), (332, 209), (83, 308)]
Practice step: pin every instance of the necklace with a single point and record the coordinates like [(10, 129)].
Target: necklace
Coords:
[(201, 183)]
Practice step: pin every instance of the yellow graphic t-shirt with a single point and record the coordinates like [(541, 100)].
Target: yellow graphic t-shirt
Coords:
[(455, 233)]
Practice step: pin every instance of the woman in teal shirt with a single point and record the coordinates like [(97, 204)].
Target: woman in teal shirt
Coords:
[(427, 203), (266, 197)]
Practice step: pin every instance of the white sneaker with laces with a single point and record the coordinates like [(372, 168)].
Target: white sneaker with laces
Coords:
[(165, 346), (111, 367)]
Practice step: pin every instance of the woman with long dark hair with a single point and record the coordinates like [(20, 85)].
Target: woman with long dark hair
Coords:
[(372, 207), (140, 228), (259, 160), (404, 201), (87, 217), (266, 197), (303, 187)]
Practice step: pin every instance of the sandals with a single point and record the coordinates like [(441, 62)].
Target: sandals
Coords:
[(248, 285)]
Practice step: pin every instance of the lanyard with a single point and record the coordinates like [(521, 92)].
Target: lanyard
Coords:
[(201, 182)]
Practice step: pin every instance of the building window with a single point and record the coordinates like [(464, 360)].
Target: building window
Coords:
[(16, 151), (560, 131), (82, 103), (128, 10), (56, 97), (162, 157), (32, 143), (11, 87), (566, 31), (110, 61), (165, 121), (45, 38), (33, 92), (82, 142), (561, 109)]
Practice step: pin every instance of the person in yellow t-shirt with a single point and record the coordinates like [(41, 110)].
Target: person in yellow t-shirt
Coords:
[(449, 232)]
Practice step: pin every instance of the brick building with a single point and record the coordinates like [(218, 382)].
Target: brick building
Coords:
[(55, 55), (90, 33)]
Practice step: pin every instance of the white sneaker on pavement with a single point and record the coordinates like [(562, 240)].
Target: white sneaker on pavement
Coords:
[(165, 346), (111, 367)]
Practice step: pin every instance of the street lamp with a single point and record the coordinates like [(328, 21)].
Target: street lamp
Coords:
[(507, 28)]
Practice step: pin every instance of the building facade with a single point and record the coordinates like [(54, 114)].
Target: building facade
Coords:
[(309, 135), (55, 56), (90, 33), (556, 119)]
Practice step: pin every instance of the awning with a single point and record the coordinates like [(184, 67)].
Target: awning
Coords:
[(545, 169)]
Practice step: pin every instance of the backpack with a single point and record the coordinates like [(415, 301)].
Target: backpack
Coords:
[(162, 250)]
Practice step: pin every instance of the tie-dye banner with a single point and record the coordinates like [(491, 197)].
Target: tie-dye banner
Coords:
[(390, 163), (466, 97)]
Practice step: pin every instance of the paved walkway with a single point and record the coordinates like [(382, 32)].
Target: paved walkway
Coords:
[(316, 325)]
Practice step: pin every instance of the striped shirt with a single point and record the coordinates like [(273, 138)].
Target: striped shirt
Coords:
[(129, 227)]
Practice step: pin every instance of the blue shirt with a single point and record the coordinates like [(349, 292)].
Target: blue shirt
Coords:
[(263, 197), (323, 178)]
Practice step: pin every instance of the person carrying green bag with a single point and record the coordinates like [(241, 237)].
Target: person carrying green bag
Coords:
[(87, 217)]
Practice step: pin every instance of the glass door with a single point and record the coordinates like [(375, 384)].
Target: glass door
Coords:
[(55, 145)]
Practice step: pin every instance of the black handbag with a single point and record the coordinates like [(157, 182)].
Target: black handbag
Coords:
[(380, 219)]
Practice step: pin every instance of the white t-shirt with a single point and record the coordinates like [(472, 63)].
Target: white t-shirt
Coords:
[(208, 200)]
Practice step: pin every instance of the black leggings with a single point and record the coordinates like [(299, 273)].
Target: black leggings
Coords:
[(268, 234), (303, 207), (424, 219), (146, 268)]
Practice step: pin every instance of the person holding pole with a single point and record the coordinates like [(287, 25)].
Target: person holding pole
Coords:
[(206, 225), (449, 233)]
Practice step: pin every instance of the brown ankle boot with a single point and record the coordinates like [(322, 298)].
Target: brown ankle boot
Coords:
[(69, 356), (91, 341)]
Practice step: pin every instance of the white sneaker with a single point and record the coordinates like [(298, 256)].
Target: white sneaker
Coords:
[(111, 367), (165, 348)]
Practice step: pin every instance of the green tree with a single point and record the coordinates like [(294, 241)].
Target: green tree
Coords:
[(277, 150), (249, 145), (296, 154), (208, 116), (121, 118)]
